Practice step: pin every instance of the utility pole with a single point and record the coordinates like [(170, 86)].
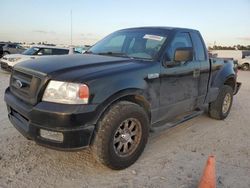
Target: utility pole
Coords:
[(71, 27)]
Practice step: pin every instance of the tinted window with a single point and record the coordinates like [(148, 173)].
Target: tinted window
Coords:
[(11, 46), (59, 51), (181, 40), (199, 47), (245, 53)]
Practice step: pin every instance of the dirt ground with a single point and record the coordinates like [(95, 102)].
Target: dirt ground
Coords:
[(172, 158)]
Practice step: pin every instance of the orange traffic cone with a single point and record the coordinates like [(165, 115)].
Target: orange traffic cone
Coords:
[(208, 180)]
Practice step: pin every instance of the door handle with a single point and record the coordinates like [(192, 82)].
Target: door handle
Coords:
[(196, 73)]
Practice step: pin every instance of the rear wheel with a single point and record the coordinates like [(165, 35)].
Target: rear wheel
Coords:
[(121, 136), (220, 108), (245, 67)]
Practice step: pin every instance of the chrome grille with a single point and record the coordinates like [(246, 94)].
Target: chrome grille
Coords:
[(26, 85)]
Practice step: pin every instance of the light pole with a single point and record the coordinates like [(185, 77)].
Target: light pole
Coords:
[(71, 27)]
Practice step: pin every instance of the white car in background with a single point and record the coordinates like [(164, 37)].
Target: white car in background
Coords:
[(241, 56), (8, 61), (244, 64)]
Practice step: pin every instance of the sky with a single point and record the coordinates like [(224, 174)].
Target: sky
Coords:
[(221, 22)]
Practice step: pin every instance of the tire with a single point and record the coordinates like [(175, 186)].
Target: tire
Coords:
[(114, 131), (6, 53), (220, 108), (245, 67)]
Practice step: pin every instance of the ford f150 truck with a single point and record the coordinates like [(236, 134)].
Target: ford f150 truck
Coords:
[(133, 81)]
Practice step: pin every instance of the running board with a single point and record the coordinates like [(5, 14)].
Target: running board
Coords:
[(175, 123)]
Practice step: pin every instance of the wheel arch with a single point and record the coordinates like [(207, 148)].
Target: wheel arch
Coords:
[(245, 63), (131, 95), (230, 81), (6, 51)]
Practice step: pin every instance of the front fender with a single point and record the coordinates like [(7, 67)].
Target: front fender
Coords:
[(117, 87), (114, 87)]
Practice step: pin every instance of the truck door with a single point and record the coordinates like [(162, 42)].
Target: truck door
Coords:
[(179, 83), (201, 57)]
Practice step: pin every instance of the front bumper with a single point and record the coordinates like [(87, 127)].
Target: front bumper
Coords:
[(5, 66), (69, 120)]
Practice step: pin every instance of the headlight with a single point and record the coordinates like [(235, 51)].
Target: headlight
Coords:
[(66, 93), (14, 59)]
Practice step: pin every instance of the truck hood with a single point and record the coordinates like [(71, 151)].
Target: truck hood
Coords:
[(74, 67)]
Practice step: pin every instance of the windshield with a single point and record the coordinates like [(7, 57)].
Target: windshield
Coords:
[(134, 43), (30, 51)]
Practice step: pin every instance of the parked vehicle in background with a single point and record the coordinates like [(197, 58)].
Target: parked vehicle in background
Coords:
[(8, 61), (241, 57), (245, 53), (235, 54), (82, 49), (109, 98), (12, 48), (1, 48), (244, 64)]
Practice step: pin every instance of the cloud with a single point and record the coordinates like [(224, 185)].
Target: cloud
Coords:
[(44, 32), (244, 38)]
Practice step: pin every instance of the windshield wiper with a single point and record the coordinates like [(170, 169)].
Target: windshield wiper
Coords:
[(115, 54)]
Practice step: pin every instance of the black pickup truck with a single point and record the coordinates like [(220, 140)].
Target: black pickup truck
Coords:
[(133, 81)]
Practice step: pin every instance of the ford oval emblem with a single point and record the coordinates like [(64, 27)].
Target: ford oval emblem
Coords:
[(18, 84)]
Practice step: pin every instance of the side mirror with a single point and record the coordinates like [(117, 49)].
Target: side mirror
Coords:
[(183, 54), (39, 53)]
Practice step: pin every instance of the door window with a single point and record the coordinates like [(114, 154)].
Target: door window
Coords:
[(11, 46), (181, 40), (46, 51), (199, 47)]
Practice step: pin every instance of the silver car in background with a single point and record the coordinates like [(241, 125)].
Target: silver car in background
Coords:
[(12, 48), (8, 61)]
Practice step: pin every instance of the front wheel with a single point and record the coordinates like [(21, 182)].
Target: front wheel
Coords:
[(220, 108), (121, 136)]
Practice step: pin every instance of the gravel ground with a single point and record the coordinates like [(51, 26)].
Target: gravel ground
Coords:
[(172, 158)]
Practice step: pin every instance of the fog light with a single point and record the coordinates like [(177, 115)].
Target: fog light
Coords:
[(51, 135)]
